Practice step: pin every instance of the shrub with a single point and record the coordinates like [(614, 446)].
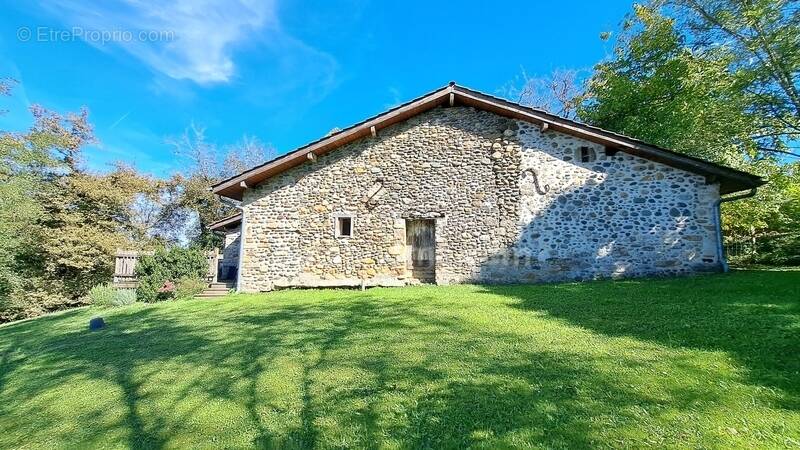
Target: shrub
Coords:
[(102, 295), (154, 271), (166, 292), (780, 250), (36, 295), (124, 297), (108, 295), (771, 250), (188, 288)]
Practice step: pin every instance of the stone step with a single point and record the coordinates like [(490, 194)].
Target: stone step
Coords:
[(216, 290)]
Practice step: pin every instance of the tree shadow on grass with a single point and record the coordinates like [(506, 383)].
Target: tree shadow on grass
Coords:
[(114, 354), (754, 317), (321, 336), (360, 371), (428, 382)]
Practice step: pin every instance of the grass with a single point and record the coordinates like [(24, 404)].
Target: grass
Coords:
[(709, 361)]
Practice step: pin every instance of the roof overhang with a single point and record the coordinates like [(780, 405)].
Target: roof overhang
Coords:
[(730, 180), (227, 223)]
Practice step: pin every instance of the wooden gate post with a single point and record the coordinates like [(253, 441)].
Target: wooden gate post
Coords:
[(213, 265)]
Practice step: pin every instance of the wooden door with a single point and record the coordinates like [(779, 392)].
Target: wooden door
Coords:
[(421, 245)]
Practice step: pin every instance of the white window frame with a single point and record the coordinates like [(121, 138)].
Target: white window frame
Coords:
[(336, 218)]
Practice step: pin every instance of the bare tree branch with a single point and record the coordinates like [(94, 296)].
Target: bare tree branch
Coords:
[(559, 93)]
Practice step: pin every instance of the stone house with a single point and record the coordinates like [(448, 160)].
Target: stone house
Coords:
[(458, 186)]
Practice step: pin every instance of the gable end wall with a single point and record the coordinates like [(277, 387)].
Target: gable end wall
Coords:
[(476, 174)]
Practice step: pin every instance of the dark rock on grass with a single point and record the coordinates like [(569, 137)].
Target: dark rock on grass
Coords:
[(96, 323)]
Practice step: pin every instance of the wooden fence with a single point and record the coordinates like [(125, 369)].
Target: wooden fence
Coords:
[(125, 266)]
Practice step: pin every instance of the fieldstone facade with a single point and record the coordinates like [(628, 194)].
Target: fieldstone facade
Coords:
[(510, 204)]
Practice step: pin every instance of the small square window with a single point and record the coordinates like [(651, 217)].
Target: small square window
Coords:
[(344, 226), (587, 155)]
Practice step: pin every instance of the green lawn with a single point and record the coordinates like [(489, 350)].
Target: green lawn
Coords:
[(711, 361)]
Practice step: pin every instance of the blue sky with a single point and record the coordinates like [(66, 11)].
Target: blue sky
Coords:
[(285, 72)]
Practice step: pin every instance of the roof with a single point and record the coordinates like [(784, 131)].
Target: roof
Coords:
[(228, 222), (730, 180)]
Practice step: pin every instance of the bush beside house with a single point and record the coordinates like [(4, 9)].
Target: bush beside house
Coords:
[(184, 268)]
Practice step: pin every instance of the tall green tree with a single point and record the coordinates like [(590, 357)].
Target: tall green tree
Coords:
[(764, 38), (669, 85), (59, 224)]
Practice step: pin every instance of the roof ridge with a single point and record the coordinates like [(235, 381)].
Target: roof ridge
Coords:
[(466, 96)]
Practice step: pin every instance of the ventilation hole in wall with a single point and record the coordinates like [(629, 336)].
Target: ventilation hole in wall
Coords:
[(586, 155)]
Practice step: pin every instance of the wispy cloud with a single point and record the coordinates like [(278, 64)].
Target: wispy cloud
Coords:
[(14, 108), (117, 122), (133, 145), (396, 98), (200, 37)]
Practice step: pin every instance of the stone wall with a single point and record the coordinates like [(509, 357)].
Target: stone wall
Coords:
[(616, 216), (230, 247), (511, 205), (228, 263)]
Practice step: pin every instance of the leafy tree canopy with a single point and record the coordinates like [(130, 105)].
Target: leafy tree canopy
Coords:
[(677, 81)]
